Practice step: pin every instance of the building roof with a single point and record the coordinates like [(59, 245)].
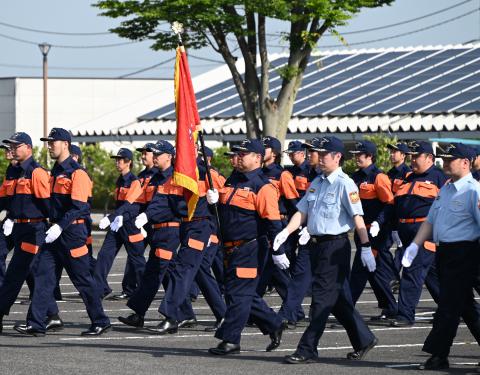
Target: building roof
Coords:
[(431, 88)]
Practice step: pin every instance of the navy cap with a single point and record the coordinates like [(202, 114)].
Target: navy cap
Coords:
[(208, 152), (146, 146), (294, 146), (309, 143), (457, 150), (75, 150), (251, 145), (58, 134), (19, 138), (365, 147), (326, 144), (162, 147), (123, 153), (399, 146), (273, 143), (420, 147)]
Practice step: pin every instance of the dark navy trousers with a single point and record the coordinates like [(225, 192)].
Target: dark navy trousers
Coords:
[(130, 237), (27, 239), (194, 237), (71, 251), (330, 261), (163, 247), (242, 272)]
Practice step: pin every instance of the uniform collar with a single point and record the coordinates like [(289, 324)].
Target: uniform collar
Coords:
[(26, 163), (252, 174), (66, 163), (462, 182), (333, 176), (127, 177), (369, 169), (270, 167), (167, 172)]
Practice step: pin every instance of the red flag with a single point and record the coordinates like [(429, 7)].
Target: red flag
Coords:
[(185, 170)]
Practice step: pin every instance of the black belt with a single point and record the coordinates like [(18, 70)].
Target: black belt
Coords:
[(458, 243), (328, 237)]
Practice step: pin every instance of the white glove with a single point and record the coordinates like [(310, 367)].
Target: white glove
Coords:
[(212, 196), (8, 227), (374, 229), (141, 220), (143, 232), (53, 233), (281, 261), (410, 253), (368, 260), (104, 223), (304, 236), (117, 223), (280, 239), (396, 238)]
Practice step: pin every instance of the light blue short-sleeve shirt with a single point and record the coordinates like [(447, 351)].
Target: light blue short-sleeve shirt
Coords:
[(455, 213), (330, 204)]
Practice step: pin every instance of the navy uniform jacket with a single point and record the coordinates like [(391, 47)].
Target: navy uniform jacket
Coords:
[(397, 175)]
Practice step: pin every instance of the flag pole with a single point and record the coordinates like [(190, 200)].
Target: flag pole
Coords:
[(177, 28)]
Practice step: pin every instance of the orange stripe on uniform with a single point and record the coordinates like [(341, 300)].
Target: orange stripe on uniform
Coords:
[(383, 188), (287, 186), (135, 238), (81, 186), (267, 202), (246, 273), (29, 247), (301, 183), (195, 244), (41, 183), (89, 240), (213, 238), (134, 192), (79, 251), (430, 246), (163, 254)]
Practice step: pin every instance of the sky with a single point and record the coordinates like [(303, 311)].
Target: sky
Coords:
[(22, 57)]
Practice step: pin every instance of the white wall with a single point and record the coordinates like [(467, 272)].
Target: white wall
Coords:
[(85, 103), (7, 108)]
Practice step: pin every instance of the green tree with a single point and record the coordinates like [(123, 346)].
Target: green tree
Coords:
[(216, 23), (221, 162)]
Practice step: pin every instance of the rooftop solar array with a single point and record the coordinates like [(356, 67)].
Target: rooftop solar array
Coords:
[(365, 82)]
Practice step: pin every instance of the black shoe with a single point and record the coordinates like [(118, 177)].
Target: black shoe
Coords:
[(187, 323), (401, 323), (297, 359), (133, 320), (120, 297), (54, 323), (382, 318), (435, 363), (358, 355), (216, 326), (288, 324), (276, 339), (225, 348), (96, 330), (28, 330), (166, 326)]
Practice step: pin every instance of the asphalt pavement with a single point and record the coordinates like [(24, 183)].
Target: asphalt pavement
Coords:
[(125, 350)]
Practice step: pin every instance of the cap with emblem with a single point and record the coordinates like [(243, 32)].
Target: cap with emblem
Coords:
[(365, 147), (399, 146), (457, 150), (251, 145), (208, 152), (58, 134), (273, 143), (162, 147), (75, 150), (294, 146), (420, 147), (145, 147), (123, 153), (326, 144), (19, 138)]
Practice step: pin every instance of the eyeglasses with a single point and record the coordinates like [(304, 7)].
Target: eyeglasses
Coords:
[(15, 146)]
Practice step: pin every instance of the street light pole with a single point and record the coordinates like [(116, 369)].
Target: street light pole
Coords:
[(44, 49)]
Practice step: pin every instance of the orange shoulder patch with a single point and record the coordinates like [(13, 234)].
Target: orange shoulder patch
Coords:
[(354, 197)]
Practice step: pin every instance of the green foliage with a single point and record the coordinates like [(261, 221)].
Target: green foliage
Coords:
[(102, 171), (221, 162), (383, 154)]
